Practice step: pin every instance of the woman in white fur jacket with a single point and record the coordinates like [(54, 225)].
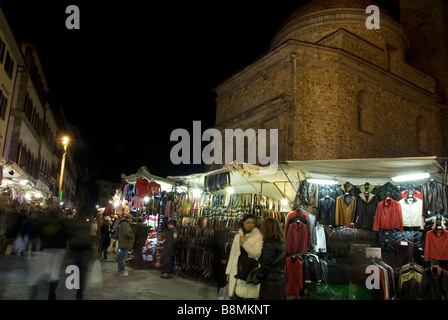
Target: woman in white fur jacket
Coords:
[(250, 238)]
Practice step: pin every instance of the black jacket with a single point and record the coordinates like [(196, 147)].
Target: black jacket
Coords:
[(272, 276), (170, 245)]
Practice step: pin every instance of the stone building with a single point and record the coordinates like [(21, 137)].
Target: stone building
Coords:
[(336, 89)]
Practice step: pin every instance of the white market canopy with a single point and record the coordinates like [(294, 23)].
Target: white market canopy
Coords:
[(143, 172), (283, 183)]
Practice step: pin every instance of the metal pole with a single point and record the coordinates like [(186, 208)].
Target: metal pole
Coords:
[(61, 177)]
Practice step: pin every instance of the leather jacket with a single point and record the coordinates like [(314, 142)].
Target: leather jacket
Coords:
[(434, 196)]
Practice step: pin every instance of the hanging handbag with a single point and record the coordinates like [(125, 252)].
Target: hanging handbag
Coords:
[(245, 265)]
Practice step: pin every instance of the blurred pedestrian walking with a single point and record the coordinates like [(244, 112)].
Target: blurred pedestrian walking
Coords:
[(125, 242)]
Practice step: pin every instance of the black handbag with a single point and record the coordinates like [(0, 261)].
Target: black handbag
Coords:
[(252, 276), (245, 265)]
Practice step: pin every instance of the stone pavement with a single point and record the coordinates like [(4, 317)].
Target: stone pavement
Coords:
[(139, 285)]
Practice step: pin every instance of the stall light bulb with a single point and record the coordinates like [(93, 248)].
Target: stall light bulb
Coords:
[(196, 193), (322, 181), (411, 177), (284, 202)]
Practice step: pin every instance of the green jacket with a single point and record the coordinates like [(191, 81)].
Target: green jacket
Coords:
[(140, 232), (125, 235)]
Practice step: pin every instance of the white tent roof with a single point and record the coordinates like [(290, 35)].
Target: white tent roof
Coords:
[(143, 172), (284, 181)]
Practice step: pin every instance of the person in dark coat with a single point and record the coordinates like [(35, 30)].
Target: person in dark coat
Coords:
[(30, 231), (55, 235), (14, 222), (141, 234), (169, 250), (105, 236), (81, 248), (271, 273)]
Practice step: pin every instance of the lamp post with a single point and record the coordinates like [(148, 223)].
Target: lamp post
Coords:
[(65, 141)]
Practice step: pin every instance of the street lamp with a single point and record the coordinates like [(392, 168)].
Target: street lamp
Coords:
[(65, 141)]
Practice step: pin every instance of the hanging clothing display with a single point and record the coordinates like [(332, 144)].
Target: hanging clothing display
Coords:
[(365, 209), (388, 215), (434, 196), (297, 238), (136, 203), (434, 284), (306, 194), (154, 189), (326, 210), (294, 275), (409, 281), (412, 212), (345, 207), (436, 244), (411, 189), (142, 187)]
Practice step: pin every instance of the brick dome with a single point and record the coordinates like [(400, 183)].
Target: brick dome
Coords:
[(320, 5), (320, 18)]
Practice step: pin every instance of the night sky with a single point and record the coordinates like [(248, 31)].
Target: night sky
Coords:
[(135, 72)]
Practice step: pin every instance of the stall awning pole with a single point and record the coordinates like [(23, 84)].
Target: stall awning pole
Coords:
[(286, 175)]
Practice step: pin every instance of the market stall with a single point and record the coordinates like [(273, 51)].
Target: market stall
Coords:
[(340, 202), (150, 198), (363, 213)]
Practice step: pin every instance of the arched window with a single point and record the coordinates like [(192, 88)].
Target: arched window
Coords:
[(365, 113), (422, 134)]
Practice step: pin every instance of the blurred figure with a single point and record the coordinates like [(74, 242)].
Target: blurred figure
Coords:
[(14, 221), (141, 234), (54, 234), (114, 236), (169, 250), (30, 231), (125, 242), (271, 273), (93, 231), (81, 246), (105, 236)]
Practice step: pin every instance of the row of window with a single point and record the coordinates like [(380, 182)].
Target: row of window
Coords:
[(38, 84), (3, 105), (30, 163), (6, 60), (42, 128)]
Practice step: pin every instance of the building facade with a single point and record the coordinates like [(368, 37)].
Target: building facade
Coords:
[(32, 127), (335, 89), (10, 60)]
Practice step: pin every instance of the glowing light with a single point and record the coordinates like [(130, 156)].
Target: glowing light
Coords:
[(322, 181), (411, 177)]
